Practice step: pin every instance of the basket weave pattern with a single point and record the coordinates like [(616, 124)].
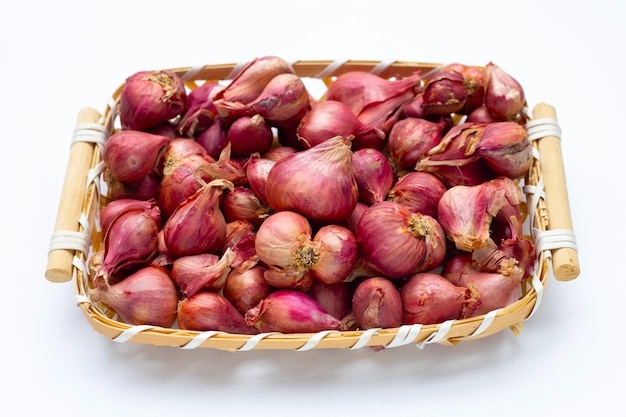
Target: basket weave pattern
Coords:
[(451, 332)]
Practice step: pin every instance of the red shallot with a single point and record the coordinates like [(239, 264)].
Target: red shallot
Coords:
[(376, 303), (149, 98), (203, 271), (291, 311), (147, 296), (130, 155), (373, 173), (209, 310), (317, 183)]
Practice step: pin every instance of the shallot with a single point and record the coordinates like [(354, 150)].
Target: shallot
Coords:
[(149, 98), (373, 173), (147, 296), (209, 310), (246, 287), (376, 303), (291, 311), (130, 155), (317, 183), (203, 271)]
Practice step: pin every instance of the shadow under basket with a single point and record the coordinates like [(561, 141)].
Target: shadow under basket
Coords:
[(547, 220)]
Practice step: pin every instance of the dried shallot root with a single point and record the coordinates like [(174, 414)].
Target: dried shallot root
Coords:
[(250, 206)]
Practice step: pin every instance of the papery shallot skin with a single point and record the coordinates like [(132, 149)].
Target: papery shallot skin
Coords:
[(200, 111), (429, 298), (116, 207), (466, 212), (147, 296), (291, 311), (204, 271), (506, 149), (419, 192), (376, 303), (373, 173), (445, 93), (410, 139), (209, 310), (149, 98)]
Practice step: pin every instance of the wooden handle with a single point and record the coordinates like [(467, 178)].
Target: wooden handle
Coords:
[(564, 260), (59, 268)]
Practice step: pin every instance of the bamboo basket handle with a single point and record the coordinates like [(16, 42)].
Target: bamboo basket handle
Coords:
[(565, 263), (59, 268)]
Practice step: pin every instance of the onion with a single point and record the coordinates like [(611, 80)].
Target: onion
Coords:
[(211, 311), (504, 96), (257, 172), (246, 287), (145, 189), (243, 204), (373, 173), (130, 242), (410, 139), (179, 181), (429, 298), (249, 134), (335, 299), (332, 118), (200, 111), (240, 238), (149, 98), (337, 253), (317, 183), (214, 139), (374, 99), (198, 225), (204, 271), (505, 148), (466, 212), (418, 192), (473, 78), (445, 93), (147, 296), (130, 155), (117, 207), (376, 303), (253, 78), (290, 311), (392, 239), (284, 243)]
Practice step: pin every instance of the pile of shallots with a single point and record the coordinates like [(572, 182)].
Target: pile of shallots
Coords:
[(250, 206)]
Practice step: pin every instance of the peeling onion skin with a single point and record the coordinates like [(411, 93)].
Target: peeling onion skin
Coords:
[(149, 98), (376, 303), (291, 311), (209, 310), (147, 296), (419, 192), (328, 193)]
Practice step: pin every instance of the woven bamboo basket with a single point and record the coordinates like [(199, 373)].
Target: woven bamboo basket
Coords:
[(548, 221)]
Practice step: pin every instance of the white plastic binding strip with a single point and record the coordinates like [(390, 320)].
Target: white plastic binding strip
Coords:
[(540, 128), (444, 328), (191, 73), (254, 340), (554, 239), (129, 333), (235, 71), (71, 240), (200, 338), (365, 337), (406, 334), (485, 323), (382, 66), (331, 68), (91, 133), (314, 340)]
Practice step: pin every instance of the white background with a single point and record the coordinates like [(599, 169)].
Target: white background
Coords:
[(60, 56)]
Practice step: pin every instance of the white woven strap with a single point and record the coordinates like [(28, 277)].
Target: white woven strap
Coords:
[(71, 240), (439, 335), (331, 68), (91, 133), (200, 338), (540, 128), (546, 240)]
